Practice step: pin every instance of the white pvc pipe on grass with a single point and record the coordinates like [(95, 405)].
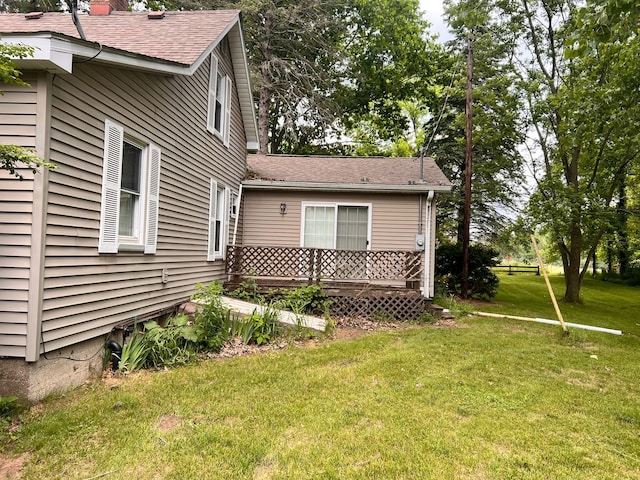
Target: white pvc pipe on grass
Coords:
[(550, 322)]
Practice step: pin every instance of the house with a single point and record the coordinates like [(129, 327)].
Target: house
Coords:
[(148, 117), (366, 219)]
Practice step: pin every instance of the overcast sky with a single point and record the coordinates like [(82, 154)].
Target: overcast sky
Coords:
[(433, 13)]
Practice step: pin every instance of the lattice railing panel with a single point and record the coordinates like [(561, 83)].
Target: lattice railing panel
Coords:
[(269, 261), (324, 264), (398, 307)]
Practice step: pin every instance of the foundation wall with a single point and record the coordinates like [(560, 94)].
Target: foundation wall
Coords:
[(55, 374)]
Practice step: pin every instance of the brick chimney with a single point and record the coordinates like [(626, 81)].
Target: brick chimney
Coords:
[(105, 7)]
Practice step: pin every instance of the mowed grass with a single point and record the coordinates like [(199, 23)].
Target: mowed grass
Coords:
[(604, 304), (485, 399)]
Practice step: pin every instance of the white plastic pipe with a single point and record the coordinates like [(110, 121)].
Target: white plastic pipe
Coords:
[(550, 322)]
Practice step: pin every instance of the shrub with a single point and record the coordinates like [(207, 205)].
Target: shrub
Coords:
[(249, 291), (174, 344), (9, 406), (482, 282), (212, 319), (310, 299), (630, 278), (256, 328), (134, 353)]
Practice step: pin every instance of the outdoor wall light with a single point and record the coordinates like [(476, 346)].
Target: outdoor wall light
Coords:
[(283, 208)]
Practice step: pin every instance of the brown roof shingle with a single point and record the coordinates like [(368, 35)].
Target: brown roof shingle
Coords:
[(391, 171), (179, 37)]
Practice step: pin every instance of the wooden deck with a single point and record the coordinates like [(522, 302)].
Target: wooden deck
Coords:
[(372, 284)]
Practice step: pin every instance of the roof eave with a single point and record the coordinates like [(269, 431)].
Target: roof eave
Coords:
[(345, 187), (55, 52)]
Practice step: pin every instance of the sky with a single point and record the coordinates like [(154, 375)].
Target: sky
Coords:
[(433, 13)]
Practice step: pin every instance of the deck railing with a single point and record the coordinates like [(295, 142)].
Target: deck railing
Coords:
[(316, 264)]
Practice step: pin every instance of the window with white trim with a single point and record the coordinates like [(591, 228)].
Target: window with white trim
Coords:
[(130, 191), (219, 102), (233, 208), (340, 226), (218, 221)]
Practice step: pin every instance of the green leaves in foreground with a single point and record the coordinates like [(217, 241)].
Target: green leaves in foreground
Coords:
[(13, 158)]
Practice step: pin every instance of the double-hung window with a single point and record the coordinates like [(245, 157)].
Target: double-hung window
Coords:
[(218, 221), (130, 190), (219, 101)]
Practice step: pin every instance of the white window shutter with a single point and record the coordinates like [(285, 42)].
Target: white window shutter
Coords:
[(111, 171), (211, 106), (213, 196), (227, 111), (225, 222), (153, 194)]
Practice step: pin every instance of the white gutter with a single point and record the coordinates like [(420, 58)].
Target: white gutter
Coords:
[(344, 187), (550, 322), (426, 291)]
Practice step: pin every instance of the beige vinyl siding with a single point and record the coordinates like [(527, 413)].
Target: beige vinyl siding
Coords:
[(18, 112), (86, 294), (394, 217)]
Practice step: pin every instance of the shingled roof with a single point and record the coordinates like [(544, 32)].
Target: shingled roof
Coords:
[(345, 173), (179, 37), (173, 43)]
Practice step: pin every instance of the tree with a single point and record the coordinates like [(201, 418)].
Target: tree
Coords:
[(12, 157), (388, 72), (323, 70), (26, 6), (293, 49), (497, 124), (586, 116)]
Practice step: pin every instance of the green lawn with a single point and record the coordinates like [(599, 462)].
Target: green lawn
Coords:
[(604, 304), (486, 399)]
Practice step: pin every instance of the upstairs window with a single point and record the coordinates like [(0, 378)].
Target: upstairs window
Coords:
[(219, 102)]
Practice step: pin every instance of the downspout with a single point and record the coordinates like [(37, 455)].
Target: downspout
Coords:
[(420, 200), (426, 292)]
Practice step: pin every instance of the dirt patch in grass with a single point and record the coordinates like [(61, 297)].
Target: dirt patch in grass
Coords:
[(168, 422), (10, 467)]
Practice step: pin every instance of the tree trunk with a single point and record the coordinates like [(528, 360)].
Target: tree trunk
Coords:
[(263, 119), (572, 266)]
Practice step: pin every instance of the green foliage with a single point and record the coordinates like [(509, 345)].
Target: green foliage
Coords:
[(12, 158), (388, 74), (482, 282), (256, 328), (249, 291), (630, 278), (172, 345), (585, 110), (134, 353), (498, 131), (328, 68), (9, 74), (9, 407), (212, 318), (456, 308), (310, 299)]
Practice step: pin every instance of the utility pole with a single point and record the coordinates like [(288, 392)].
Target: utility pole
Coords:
[(466, 220)]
